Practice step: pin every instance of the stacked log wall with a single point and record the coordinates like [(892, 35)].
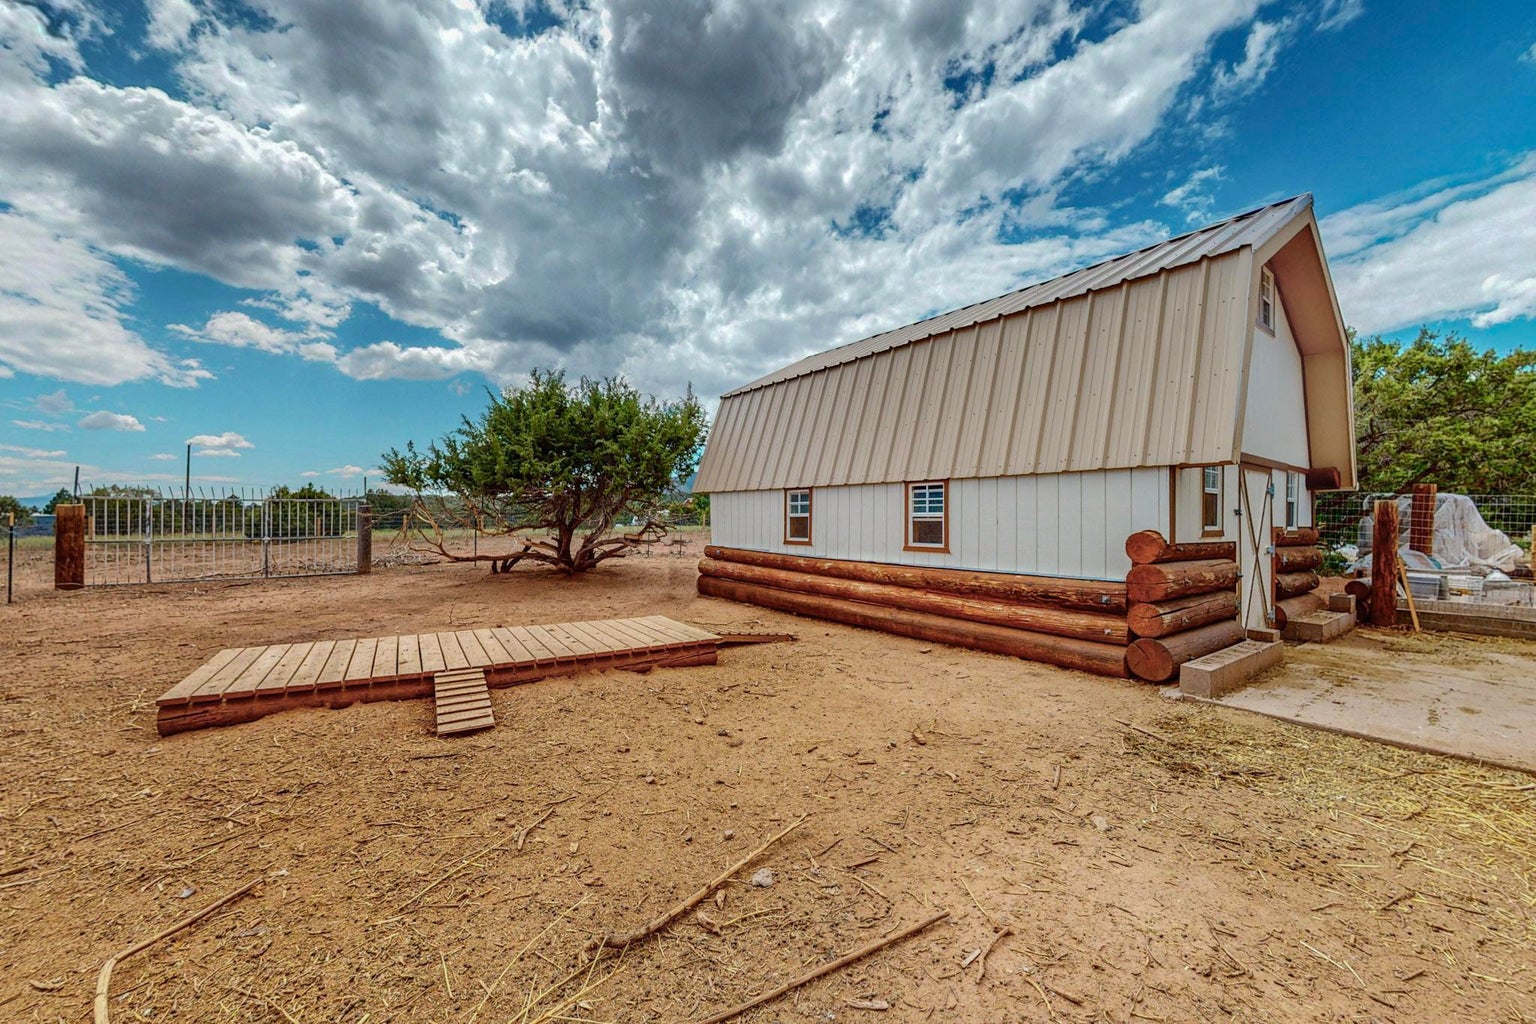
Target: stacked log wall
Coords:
[(1296, 561), (1073, 623), (1183, 603)]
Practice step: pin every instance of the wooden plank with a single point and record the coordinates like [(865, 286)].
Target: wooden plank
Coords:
[(689, 632), (509, 642), (463, 704), (277, 680), (553, 644), (250, 680), (525, 640), (386, 658), (535, 644), (645, 639), (574, 641), (200, 675), (360, 668), (216, 683), (335, 669), (494, 650), (473, 650), (604, 640), (409, 656), (659, 637), (431, 653), (309, 670), (453, 654), (617, 641)]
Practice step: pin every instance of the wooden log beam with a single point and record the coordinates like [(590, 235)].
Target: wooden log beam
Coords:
[(1324, 478), (1302, 604), (1084, 655), (1088, 595), (1299, 535), (1361, 589), (1294, 584), (1149, 547), (69, 547), (1297, 559), (1158, 660), (1384, 564), (1041, 619), (1180, 614), (1146, 584)]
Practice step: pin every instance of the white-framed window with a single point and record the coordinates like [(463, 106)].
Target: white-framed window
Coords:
[(1267, 298), (928, 516), (1292, 500), (797, 516), (1210, 499)]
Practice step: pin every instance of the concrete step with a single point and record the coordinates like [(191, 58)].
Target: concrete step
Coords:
[(1319, 626), (1228, 669)]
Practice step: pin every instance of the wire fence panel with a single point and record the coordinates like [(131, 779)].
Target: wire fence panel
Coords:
[(157, 539), (1477, 548)]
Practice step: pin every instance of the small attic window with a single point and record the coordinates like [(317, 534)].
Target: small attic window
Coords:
[(1267, 298)]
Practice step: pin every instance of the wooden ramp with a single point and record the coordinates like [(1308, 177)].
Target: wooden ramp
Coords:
[(246, 683), (463, 702)]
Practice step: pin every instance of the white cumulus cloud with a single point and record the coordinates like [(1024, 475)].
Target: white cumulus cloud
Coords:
[(228, 439), (104, 420)]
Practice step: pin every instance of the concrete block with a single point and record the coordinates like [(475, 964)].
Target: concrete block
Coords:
[(1228, 669), (1342, 603), (1319, 626), (1264, 636)]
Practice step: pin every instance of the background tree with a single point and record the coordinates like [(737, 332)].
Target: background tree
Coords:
[(560, 467), (9, 505), (1437, 410), (63, 496)]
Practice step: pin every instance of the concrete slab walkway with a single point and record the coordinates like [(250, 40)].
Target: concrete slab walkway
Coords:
[(1468, 697)]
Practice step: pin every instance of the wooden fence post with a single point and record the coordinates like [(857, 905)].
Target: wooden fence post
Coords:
[(364, 539), (1421, 524), (1384, 564), (69, 547)]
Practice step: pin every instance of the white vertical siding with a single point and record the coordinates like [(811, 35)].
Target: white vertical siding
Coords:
[(1058, 524), (1275, 416)]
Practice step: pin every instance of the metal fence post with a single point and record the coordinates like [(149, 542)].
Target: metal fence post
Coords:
[(266, 537), (149, 540), (10, 558), (364, 539)]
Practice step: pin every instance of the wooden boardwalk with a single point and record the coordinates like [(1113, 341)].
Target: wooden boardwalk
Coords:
[(246, 683)]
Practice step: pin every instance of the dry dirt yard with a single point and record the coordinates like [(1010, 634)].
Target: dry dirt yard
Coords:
[(1142, 860)]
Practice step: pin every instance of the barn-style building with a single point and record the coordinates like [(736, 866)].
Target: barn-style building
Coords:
[(1126, 451)]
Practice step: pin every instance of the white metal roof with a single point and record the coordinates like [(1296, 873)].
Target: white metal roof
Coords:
[(1246, 229), (1136, 361)]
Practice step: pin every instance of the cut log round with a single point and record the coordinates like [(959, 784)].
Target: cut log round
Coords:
[(1097, 626), (1294, 584), (1297, 559), (1324, 478), (1149, 547), (1085, 655), (1361, 589), (1089, 595), (1291, 607), (1158, 660), (1182, 613), (1145, 584), (1302, 535)]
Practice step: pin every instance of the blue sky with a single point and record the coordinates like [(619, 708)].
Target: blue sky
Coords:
[(298, 232)]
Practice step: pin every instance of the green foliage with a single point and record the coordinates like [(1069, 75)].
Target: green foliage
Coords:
[(11, 506), (573, 460), (1439, 411), (63, 496)]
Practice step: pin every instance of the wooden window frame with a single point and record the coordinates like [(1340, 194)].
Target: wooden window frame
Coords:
[(810, 512), (908, 517), (1267, 282), (1206, 529)]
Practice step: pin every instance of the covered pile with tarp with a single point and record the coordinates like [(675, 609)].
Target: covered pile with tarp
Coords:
[(1463, 541)]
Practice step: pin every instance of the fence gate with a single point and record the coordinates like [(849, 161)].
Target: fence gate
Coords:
[(157, 539)]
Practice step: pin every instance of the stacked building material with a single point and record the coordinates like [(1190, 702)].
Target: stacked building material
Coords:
[(1073, 623), (1182, 602), (1296, 561)]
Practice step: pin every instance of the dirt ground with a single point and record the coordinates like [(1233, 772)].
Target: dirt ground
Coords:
[(1142, 859)]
